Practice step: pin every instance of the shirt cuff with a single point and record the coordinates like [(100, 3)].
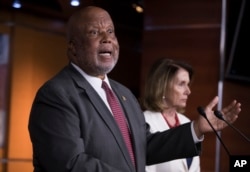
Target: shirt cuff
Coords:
[(196, 139)]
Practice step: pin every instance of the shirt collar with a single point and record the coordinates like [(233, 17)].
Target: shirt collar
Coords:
[(95, 82)]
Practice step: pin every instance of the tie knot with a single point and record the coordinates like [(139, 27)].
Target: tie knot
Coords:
[(105, 85), (107, 89)]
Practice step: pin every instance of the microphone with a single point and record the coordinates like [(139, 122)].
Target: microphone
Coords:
[(219, 115), (203, 113)]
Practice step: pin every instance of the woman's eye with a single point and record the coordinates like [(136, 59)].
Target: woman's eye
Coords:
[(181, 83)]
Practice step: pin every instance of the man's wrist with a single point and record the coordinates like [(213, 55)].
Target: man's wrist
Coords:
[(197, 135)]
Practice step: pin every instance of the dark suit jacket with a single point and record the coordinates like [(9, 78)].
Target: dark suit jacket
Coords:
[(71, 129)]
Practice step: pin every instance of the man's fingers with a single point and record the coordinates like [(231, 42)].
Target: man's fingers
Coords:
[(229, 107), (231, 112), (213, 103)]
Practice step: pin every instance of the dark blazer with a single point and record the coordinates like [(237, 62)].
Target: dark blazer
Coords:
[(71, 129)]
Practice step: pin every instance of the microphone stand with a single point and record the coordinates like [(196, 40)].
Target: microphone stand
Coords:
[(202, 113), (219, 115)]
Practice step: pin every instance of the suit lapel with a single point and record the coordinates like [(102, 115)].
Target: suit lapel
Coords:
[(129, 112), (107, 117), (124, 101), (102, 109)]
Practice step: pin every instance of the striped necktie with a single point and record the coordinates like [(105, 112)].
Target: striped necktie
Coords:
[(119, 118)]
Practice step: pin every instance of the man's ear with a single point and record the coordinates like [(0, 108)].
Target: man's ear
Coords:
[(71, 48)]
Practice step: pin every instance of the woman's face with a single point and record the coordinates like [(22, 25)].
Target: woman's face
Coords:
[(178, 91)]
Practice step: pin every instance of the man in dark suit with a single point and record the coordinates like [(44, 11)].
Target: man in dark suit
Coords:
[(72, 126)]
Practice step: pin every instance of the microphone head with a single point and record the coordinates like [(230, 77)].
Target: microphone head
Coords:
[(201, 111), (218, 114)]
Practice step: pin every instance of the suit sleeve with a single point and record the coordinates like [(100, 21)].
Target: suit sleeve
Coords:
[(171, 144)]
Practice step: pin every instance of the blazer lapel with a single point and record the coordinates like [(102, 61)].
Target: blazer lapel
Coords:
[(124, 101), (108, 118), (130, 114), (102, 110)]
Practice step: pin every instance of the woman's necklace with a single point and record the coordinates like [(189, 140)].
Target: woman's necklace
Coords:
[(177, 122)]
